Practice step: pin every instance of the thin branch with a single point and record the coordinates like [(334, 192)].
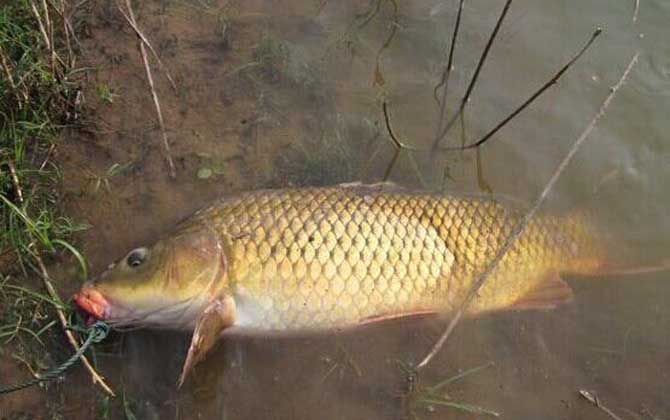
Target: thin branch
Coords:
[(635, 12), (50, 31), (593, 399), (530, 100), (387, 119), (521, 225), (41, 25), (144, 39), (68, 29), (10, 79), (475, 76), (399, 146), (97, 378), (447, 70), (131, 17), (15, 180)]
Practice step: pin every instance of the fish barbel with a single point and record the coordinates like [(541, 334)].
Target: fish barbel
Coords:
[(339, 256)]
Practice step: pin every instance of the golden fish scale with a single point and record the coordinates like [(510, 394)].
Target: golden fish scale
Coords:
[(332, 257)]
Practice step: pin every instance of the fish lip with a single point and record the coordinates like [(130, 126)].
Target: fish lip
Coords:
[(92, 302)]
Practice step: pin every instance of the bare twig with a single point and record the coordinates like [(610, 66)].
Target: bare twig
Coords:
[(532, 98), (15, 180), (41, 25), (10, 79), (50, 31), (521, 225), (635, 12), (145, 59), (593, 399), (399, 146), (475, 76), (70, 336), (68, 29), (144, 39), (444, 82)]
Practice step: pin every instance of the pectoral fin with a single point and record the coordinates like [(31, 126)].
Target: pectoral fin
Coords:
[(551, 292), (217, 316)]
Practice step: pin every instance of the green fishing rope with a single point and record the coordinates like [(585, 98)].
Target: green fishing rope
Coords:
[(96, 333)]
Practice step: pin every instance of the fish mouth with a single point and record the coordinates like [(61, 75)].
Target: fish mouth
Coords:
[(172, 315), (92, 302)]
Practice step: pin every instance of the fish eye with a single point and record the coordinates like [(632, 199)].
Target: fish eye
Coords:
[(136, 257)]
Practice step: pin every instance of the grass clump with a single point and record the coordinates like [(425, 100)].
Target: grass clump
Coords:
[(27, 319), (37, 100)]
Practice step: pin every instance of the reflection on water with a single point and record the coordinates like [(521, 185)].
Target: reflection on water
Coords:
[(279, 93)]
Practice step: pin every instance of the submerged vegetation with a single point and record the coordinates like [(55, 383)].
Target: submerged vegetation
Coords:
[(429, 398)]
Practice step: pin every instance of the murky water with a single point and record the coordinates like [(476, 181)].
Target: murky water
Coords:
[(279, 93)]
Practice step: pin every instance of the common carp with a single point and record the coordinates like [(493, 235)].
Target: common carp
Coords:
[(336, 257)]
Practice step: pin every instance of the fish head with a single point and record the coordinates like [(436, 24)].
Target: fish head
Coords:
[(164, 285)]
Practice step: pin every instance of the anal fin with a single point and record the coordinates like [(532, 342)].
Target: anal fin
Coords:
[(551, 292)]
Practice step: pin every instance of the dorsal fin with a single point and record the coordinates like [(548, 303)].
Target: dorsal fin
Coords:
[(372, 188)]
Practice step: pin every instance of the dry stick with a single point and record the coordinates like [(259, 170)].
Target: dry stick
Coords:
[(151, 48), (399, 146), (67, 21), (70, 336), (15, 180), (68, 30), (593, 399), (475, 76), (145, 59), (519, 228), (534, 96), (637, 9), (447, 70), (41, 26), (54, 296), (10, 79), (50, 30)]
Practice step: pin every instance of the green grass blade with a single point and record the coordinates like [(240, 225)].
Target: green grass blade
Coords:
[(76, 253), (455, 378), (461, 406)]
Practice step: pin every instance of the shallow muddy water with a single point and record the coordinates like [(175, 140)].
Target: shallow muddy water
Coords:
[(273, 93)]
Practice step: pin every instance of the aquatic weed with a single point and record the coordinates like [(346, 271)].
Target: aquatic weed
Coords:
[(428, 398)]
